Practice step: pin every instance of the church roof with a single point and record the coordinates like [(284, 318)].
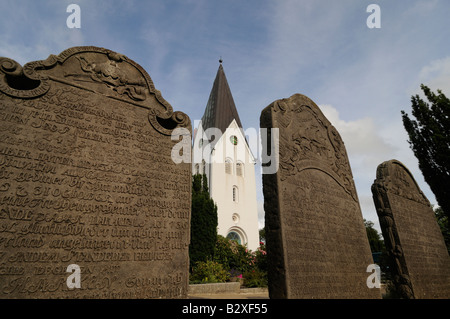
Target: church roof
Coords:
[(220, 110)]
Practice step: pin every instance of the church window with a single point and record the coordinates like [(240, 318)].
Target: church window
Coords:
[(228, 166), (239, 169), (234, 139), (235, 194), (204, 166), (234, 236)]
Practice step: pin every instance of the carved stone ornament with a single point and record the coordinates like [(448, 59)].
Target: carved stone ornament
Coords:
[(316, 240), (314, 142), (96, 70), (92, 204), (418, 257)]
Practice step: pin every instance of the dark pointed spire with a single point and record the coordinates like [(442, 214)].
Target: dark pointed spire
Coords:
[(220, 109)]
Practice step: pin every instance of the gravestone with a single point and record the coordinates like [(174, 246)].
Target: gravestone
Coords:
[(419, 259), (316, 240), (91, 203)]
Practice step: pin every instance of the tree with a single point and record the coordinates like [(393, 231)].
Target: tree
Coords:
[(429, 138), (375, 241), (262, 235), (442, 221), (378, 249), (203, 221)]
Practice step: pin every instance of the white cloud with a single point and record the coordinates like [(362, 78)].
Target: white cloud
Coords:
[(261, 214), (360, 136), (369, 143), (436, 75), (33, 31), (366, 149), (368, 209)]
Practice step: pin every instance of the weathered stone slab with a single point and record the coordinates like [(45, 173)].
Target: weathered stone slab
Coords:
[(420, 263), (316, 239), (86, 178)]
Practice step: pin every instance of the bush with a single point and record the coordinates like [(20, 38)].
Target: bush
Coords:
[(241, 262), (261, 257), (208, 272), (255, 278), (235, 275), (232, 255)]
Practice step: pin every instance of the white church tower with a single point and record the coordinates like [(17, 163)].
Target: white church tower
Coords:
[(221, 151)]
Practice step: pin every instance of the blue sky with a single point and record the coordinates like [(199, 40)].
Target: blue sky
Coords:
[(361, 78)]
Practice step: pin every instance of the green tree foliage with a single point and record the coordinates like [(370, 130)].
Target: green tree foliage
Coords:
[(203, 222), (442, 221), (208, 272), (232, 255), (378, 249), (262, 234), (375, 241), (429, 138), (241, 262)]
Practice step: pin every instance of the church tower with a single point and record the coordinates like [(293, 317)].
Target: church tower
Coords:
[(221, 151)]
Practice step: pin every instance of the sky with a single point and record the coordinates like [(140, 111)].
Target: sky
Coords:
[(360, 77)]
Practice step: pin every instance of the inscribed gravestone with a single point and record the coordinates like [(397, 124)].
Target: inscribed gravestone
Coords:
[(419, 259), (86, 178), (316, 239)]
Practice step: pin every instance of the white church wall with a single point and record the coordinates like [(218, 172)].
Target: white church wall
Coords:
[(239, 215)]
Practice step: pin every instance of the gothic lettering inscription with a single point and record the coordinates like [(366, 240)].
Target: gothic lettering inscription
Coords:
[(316, 240), (419, 259), (87, 179)]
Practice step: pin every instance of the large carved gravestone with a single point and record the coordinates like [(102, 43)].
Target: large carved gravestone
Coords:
[(316, 239), (87, 181), (420, 263)]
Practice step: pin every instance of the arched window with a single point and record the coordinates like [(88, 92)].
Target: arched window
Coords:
[(235, 194), (234, 236), (228, 166), (239, 169), (204, 166)]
